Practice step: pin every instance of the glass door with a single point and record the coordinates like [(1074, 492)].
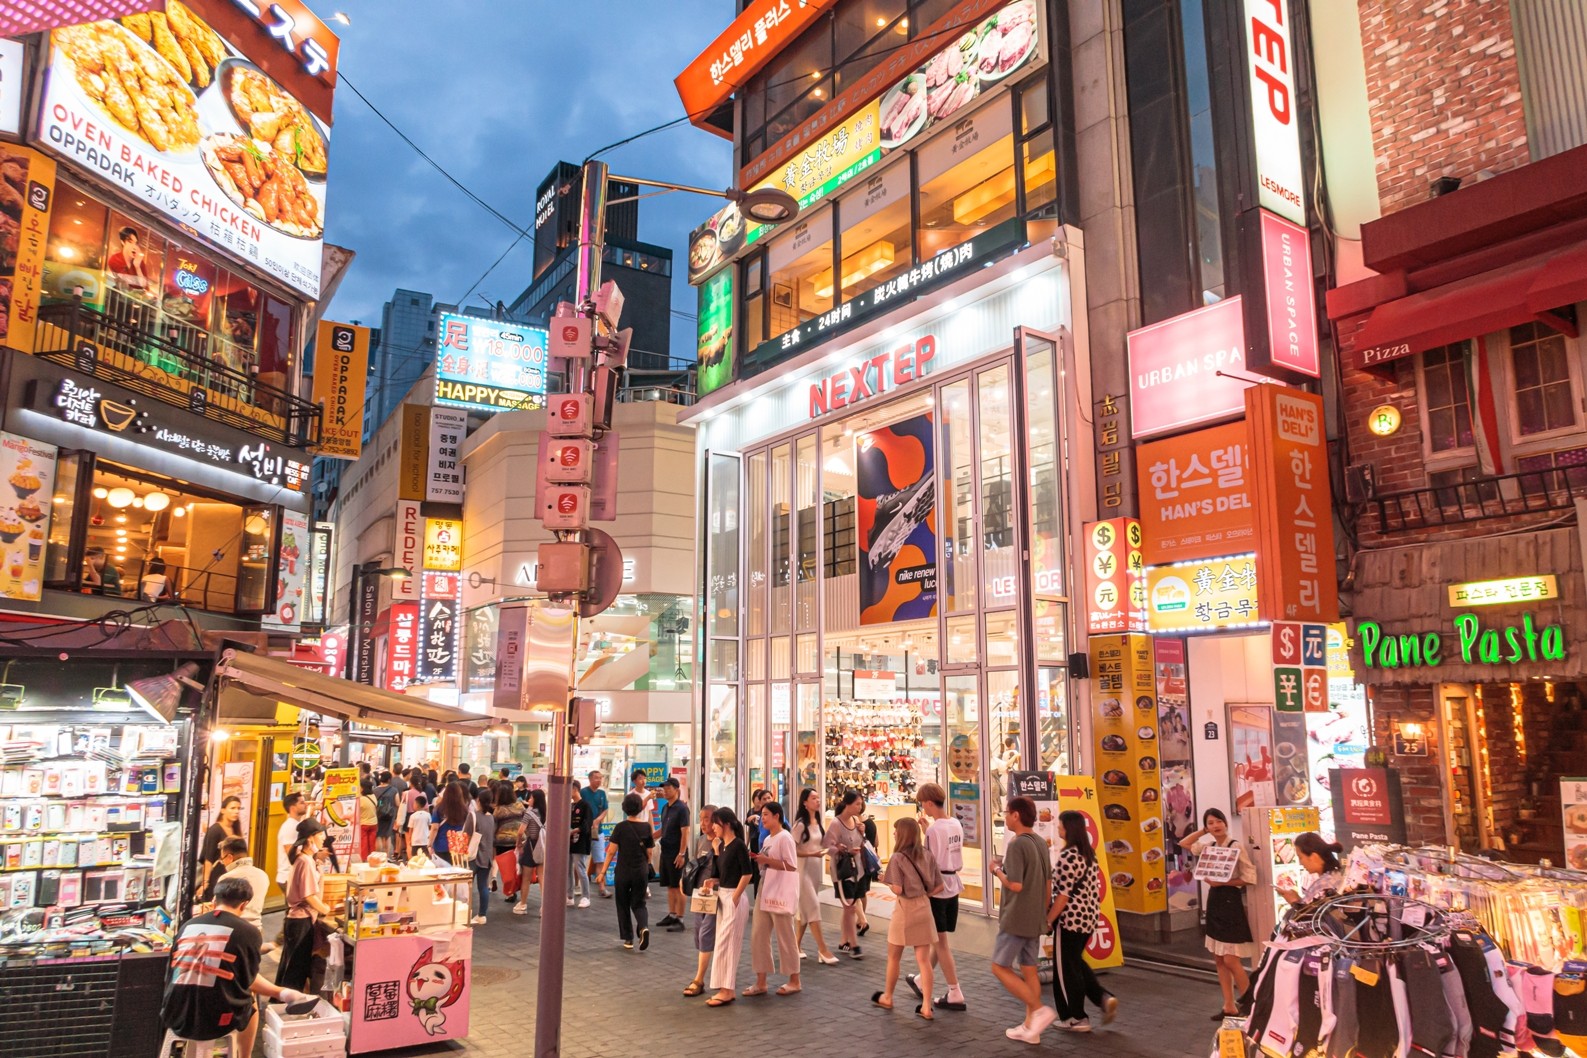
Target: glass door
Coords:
[(966, 767)]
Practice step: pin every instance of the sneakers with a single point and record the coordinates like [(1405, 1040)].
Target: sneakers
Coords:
[(606, 894), (644, 939), (1110, 1009), (584, 901), (677, 926), (1076, 1025), (854, 952), (1040, 1020), (520, 909), (667, 919), (1023, 1034), (628, 944), (570, 901), (477, 920)]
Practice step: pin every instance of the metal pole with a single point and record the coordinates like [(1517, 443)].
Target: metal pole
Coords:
[(553, 893)]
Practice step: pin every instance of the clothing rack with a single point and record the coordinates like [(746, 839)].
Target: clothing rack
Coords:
[(1376, 923)]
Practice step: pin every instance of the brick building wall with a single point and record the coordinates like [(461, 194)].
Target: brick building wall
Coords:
[(1421, 778), (1445, 93)]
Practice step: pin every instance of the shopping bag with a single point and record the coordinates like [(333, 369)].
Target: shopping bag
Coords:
[(507, 864)]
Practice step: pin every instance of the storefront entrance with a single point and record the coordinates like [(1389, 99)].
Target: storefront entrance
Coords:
[(887, 629)]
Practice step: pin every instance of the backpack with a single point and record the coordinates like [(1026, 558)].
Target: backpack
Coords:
[(386, 805)]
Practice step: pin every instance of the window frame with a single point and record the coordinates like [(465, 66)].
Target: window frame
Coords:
[(1548, 441), (1450, 459)]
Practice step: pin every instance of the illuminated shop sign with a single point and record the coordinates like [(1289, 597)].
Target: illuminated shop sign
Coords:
[(490, 364), (86, 406), (1478, 645), (1270, 69), (872, 377), (1187, 370), (1206, 596), (1499, 592), (923, 278)]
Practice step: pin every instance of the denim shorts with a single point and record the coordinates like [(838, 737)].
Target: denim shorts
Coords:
[(1013, 952)]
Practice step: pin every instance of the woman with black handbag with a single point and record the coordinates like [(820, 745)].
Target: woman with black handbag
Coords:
[(845, 838), (695, 874)]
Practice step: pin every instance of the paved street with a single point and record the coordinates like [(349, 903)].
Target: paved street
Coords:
[(621, 1004)]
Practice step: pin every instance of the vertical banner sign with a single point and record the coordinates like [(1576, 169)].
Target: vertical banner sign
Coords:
[(402, 645), (444, 483), (292, 567), (1055, 795), (1175, 766), (1294, 509), (1275, 125), (341, 373), (408, 551), (1196, 495), (28, 469), (317, 594), (1291, 762), (512, 635), (897, 523), (438, 627), (1124, 693), (339, 811), (716, 338), (413, 453), (1289, 299), (1115, 577), (368, 603), (1115, 477), (22, 270)]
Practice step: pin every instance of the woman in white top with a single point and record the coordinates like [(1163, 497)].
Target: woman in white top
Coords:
[(1325, 874), (807, 833), (846, 838), (775, 907)]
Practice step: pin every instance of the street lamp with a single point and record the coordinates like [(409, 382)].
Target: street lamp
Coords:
[(763, 205), (356, 628)]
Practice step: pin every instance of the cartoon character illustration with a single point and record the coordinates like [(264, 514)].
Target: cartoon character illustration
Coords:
[(432, 986)]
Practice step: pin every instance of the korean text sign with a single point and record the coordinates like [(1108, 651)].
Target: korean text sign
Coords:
[(1203, 596), (402, 645), (1196, 495), (756, 36), (1124, 725), (341, 372), (171, 116), (1115, 577), (490, 364), (22, 272), (1183, 371), (438, 628), (1294, 508)]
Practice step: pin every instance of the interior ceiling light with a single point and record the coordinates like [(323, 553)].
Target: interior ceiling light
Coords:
[(120, 498), (856, 266), (156, 501), (100, 493), (180, 512)]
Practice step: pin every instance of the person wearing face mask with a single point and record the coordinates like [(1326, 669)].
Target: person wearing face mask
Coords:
[(305, 904), (1228, 930)]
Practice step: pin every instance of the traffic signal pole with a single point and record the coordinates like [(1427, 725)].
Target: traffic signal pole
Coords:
[(554, 887)]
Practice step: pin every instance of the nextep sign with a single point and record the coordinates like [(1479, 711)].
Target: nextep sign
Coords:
[(873, 377), (1275, 129), (1183, 371)]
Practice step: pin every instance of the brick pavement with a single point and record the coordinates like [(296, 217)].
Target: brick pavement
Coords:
[(621, 1004)]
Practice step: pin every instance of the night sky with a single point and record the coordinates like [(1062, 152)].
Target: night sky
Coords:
[(497, 91)]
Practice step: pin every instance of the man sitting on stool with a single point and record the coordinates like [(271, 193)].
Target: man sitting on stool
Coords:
[(215, 974)]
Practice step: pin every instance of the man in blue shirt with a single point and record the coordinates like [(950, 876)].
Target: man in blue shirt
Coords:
[(595, 797)]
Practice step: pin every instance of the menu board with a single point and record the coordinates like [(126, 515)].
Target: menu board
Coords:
[(28, 468), (167, 110), (1124, 697)]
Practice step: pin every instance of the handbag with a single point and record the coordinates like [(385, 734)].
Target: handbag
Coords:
[(703, 902), (473, 838), (873, 862), (694, 872)]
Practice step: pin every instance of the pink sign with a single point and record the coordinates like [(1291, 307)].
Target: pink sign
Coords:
[(1291, 296), (410, 989), (402, 646), (1175, 380)]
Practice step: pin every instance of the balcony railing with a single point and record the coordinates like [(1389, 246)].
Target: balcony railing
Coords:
[(1507, 495), (165, 368)]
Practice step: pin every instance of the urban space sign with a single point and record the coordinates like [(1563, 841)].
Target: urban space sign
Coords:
[(1479, 644)]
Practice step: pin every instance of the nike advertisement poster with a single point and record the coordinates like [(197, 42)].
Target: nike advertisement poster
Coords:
[(897, 523)]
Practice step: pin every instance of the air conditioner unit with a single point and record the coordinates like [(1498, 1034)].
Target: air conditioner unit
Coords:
[(1360, 482)]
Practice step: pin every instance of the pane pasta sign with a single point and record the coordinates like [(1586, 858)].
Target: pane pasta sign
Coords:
[(168, 110)]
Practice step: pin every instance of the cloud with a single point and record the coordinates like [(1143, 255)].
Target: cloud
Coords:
[(497, 92)]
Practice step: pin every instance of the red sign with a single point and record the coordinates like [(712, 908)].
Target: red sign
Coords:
[(1115, 588), (1291, 297), (1366, 797), (1175, 370), (441, 585), (402, 645), (286, 40), (872, 377), (754, 39), (1294, 507)]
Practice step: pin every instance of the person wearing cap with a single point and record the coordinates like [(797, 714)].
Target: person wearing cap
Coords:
[(305, 904), (215, 973)]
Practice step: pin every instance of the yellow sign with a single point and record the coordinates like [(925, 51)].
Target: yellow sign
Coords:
[(22, 275), (340, 782), (1205, 596), (341, 371), (1339, 652), (443, 545), (1499, 592), (1384, 420), (1078, 793), (1124, 732), (413, 453)]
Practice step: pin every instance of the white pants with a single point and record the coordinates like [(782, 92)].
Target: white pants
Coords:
[(732, 919)]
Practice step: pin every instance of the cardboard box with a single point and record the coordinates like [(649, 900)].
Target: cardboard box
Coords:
[(326, 1023)]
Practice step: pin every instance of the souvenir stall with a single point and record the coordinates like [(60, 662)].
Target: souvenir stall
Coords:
[(100, 762)]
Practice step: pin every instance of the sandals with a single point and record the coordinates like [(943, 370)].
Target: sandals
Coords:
[(863, 930), (753, 992), (876, 999), (922, 1015), (786, 991), (718, 1001), (695, 988)]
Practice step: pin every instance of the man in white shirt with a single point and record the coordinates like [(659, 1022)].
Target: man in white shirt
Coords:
[(945, 842), (234, 854), (297, 808)]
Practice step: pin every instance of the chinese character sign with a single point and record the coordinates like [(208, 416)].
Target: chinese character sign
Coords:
[(1196, 495), (1294, 509), (1202, 596), (1115, 577), (1124, 726), (438, 628), (491, 365), (22, 269)]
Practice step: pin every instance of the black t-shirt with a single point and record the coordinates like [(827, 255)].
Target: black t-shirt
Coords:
[(732, 864), (214, 962), (633, 840), (579, 829), (674, 824), (212, 839)]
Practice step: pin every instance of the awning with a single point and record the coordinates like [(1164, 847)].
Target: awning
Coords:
[(273, 679), (1521, 292)]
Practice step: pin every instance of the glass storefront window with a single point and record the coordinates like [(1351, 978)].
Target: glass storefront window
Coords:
[(755, 659), (837, 502), (1002, 638), (723, 666), (962, 641), (781, 544), (782, 775), (758, 520), (961, 539), (807, 746), (1040, 172), (781, 658), (1002, 737), (58, 553), (999, 559), (961, 701), (641, 642), (807, 529), (1041, 424), (721, 766), (858, 22), (967, 179), (1052, 713), (807, 658), (755, 735), (800, 265), (875, 243), (722, 600)]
